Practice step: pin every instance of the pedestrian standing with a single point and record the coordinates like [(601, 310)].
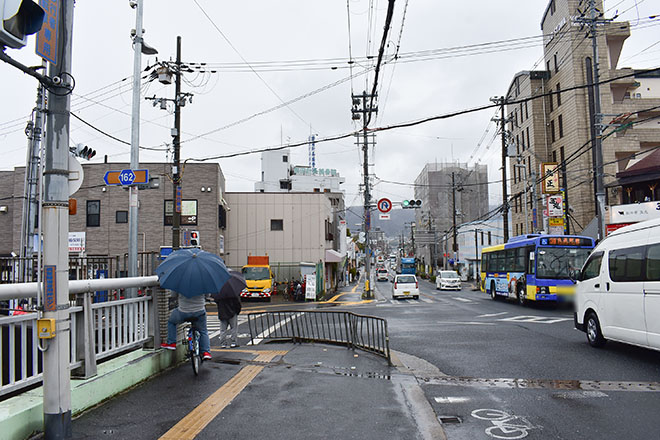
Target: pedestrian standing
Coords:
[(228, 309)]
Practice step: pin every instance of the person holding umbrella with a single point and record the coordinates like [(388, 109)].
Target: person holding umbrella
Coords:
[(229, 306), (192, 273)]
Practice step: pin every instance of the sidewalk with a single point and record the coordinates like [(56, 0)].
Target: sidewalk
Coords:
[(274, 391)]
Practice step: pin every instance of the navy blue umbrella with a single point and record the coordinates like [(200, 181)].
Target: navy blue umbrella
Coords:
[(193, 272)]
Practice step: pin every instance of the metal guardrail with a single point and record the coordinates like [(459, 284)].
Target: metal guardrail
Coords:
[(367, 333), (98, 331)]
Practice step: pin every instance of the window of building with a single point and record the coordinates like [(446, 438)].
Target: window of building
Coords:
[(529, 143), (526, 112), (285, 158), (121, 216), (552, 130), (554, 156), (552, 7), (93, 213), (551, 101), (489, 238), (521, 112), (558, 95), (222, 217), (547, 65), (560, 122), (554, 57), (316, 190), (276, 224)]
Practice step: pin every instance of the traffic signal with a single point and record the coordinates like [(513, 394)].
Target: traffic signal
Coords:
[(194, 238), (19, 19), (412, 203), (83, 151)]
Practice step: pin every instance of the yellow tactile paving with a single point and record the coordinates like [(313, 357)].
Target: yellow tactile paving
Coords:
[(193, 423)]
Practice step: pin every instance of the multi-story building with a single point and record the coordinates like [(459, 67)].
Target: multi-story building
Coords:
[(557, 127), (438, 186), (102, 210), (278, 175)]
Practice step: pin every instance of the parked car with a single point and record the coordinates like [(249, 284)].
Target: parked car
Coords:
[(405, 286), (618, 289), (447, 279), (381, 275)]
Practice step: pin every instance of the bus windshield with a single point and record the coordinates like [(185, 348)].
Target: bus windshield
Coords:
[(556, 263), (256, 273)]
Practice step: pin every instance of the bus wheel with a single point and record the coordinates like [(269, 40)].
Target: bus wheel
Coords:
[(493, 295), (522, 299), (594, 335)]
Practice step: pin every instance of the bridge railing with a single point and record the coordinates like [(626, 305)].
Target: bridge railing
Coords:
[(98, 331), (367, 333)]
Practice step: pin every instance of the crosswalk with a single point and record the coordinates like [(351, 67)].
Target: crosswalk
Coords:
[(407, 301), (213, 325)]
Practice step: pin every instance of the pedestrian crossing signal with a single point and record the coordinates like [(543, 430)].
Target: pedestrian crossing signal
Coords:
[(412, 203), (194, 238)]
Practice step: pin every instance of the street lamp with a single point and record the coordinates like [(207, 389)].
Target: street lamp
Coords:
[(139, 47)]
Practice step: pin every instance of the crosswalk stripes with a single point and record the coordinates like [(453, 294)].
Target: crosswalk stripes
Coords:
[(213, 325)]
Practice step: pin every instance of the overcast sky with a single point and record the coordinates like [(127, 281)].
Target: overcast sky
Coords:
[(227, 34)]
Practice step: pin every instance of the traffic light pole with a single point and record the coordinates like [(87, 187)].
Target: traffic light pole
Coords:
[(55, 288)]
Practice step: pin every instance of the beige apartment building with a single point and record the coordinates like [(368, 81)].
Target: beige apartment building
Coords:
[(557, 128)]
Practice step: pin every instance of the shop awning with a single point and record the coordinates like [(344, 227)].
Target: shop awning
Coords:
[(332, 256)]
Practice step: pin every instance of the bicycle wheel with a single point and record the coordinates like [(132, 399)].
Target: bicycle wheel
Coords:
[(194, 352)]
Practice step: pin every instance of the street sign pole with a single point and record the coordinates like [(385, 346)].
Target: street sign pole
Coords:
[(55, 213)]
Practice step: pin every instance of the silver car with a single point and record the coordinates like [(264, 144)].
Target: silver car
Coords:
[(447, 279)]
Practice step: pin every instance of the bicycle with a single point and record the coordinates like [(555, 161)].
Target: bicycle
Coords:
[(505, 426), (192, 347)]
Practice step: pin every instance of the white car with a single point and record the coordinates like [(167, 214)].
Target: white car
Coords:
[(381, 275), (617, 295), (447, 279), (405, 286)]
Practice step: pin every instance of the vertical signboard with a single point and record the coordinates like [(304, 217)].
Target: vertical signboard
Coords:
[(47, 36), (50, 299), (310, 286), (550, 175)]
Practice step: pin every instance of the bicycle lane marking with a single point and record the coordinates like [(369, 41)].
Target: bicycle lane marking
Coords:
[(505, 426), (195, 421)]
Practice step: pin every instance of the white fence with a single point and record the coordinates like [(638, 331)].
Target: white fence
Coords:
[(98, 331)]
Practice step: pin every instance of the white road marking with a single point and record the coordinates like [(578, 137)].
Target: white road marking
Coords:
[(214, 324), (488, 315), (465, 323), (451, 399), (260, 337), (462, 299), (426, 300), (535, 319)]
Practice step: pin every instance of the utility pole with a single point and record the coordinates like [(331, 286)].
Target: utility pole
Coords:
[(176, 168), (477, 274), (453, 208), (30, 201), (56, 357), (362, 108), (505, 202)]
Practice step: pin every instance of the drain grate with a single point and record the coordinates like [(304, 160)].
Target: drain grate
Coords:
[(448, 420)]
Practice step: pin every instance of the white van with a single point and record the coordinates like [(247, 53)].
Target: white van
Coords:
[(618, 289)]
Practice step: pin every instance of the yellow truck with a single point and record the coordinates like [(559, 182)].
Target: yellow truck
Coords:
[(258, 277)]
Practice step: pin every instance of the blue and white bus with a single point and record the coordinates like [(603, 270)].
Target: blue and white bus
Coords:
[(533, 267)]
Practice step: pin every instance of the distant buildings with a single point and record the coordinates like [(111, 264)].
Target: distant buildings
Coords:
[(557, 128), (444, 188)]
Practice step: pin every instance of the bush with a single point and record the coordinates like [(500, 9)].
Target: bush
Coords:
[(432, 278)]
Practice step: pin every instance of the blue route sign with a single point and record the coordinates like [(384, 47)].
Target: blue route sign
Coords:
[(126, 177)]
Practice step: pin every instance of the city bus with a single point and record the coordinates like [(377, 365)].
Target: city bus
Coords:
[(407, 266), (533, 267)]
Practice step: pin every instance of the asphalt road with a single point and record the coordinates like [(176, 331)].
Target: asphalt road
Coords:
[(521, 372), (484, 369)]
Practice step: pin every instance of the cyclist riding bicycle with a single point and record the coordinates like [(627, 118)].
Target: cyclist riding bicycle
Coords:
[(193, 310)]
